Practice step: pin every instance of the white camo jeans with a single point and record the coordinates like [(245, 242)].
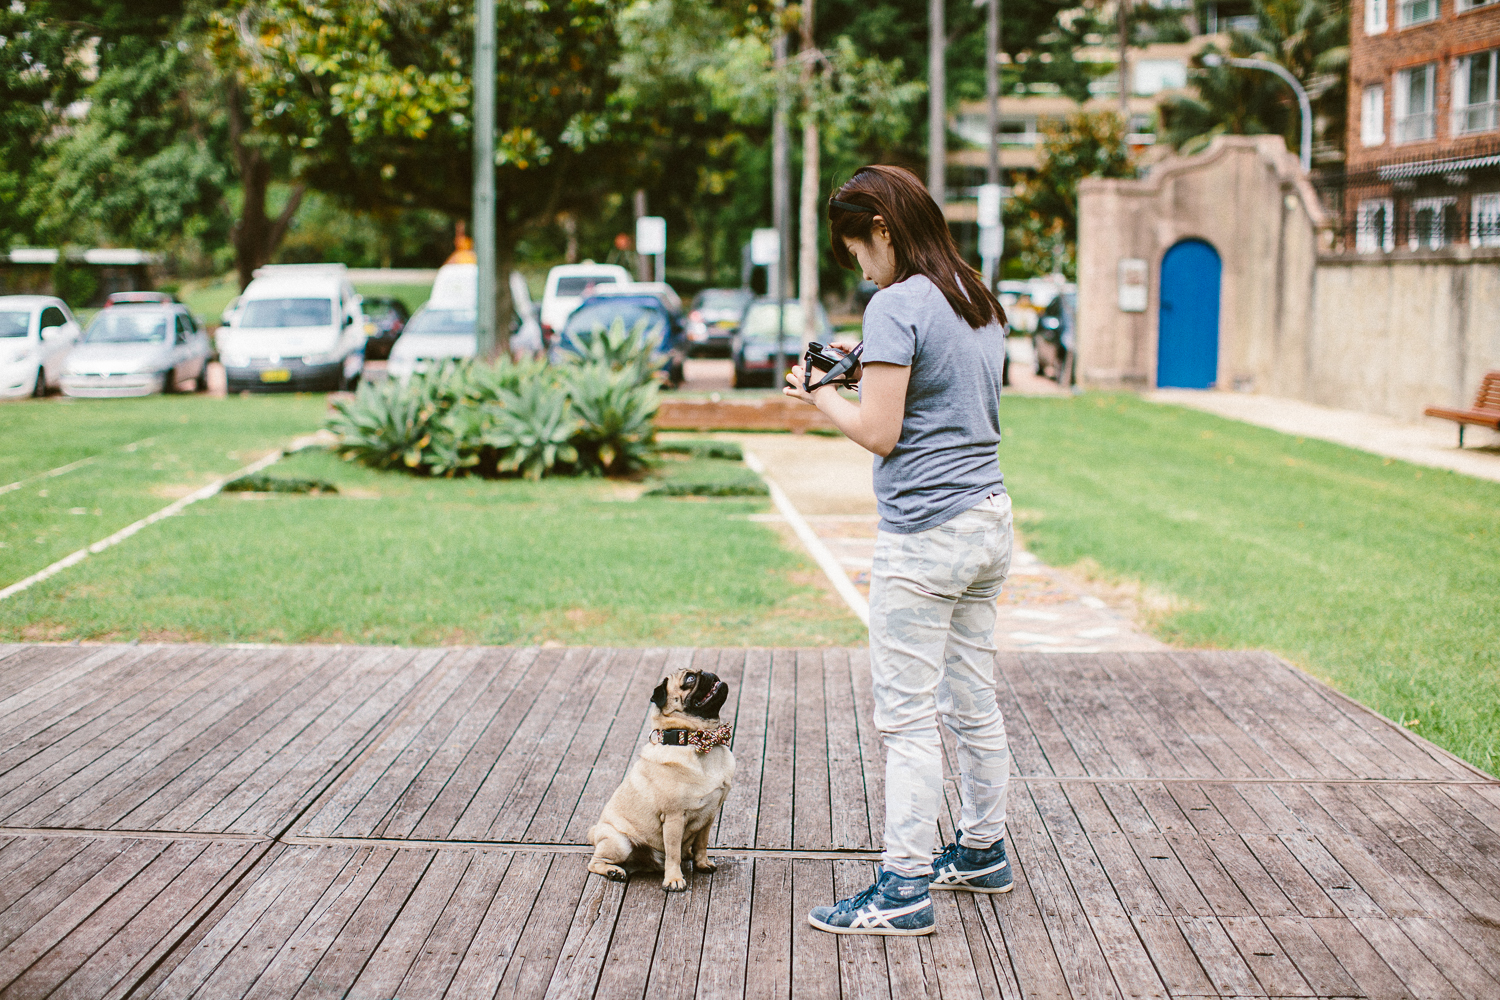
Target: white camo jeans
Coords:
[(932, 652)]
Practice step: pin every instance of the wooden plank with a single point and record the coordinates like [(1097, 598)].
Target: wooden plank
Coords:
[(1170, 745), (557, 806), (364, 796), (1063, 704), (30, 670), (413, 928), (536, 953), (531, 755), (1462, 969), (777, 790), (726, 939), (814, 965), (1014, 923), (588, 941), (812, 821), (1154, 853), (850, 813), (1221, 961), (1231, 751), (871, 744), (768, 971), (619, 746), (677, 961), (69, 698), (1420, 977), (496, 945), (959, 969), (862, 967), (434, 968), (32, 868), (161, 925), (34, 901), (1025, 749), (1324, 973), (996, 979), (1273, 968), (1468, 869), (1180, 970), (249, 704)]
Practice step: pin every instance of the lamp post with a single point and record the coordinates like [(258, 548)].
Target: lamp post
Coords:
[(487, 323), (1303, 104)]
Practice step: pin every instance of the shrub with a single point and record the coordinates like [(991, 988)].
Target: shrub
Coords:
[(617, 412)]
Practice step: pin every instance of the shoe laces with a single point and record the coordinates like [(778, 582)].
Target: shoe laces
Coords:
[(951, 855), (855, 902)]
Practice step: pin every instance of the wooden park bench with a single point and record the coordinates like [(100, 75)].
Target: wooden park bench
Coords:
[(1485, 412)]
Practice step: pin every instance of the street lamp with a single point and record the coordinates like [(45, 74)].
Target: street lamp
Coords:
[(1214, 59)]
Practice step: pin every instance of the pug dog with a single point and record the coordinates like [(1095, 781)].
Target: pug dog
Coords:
[(664, 810)]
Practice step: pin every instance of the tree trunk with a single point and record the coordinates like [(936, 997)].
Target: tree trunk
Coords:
[(807, 223), (254, 235)]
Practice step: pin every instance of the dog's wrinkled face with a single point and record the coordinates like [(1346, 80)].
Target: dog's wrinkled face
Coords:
[(696, 694)]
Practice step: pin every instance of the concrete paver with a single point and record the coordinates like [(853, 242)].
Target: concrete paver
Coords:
[(1429, 442)]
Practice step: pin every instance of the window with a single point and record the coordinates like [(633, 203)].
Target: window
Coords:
[(1375, 17), (1373, 230), (1410, 12), (1471, 4), (1372, 116), (1474, 104), (1434, 223), (52, 316), (1416, 90), (1484, 225)]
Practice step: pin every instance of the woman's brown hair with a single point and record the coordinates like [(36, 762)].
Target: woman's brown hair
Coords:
[(919, 236)]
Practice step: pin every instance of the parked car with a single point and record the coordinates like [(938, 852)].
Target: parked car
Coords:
[(568, 285), (138, 350), (384, 317), (129, 298), (713, 318), (298, 327), (36, 333), (754, 350), (653, 305), (1055, 337), (446, 326)]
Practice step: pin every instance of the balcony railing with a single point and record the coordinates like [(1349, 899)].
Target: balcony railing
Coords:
[(1477, 118), (1416, 128)]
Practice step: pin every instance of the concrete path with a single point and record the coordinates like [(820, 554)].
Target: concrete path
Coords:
[(828, 480), (1430, 442)]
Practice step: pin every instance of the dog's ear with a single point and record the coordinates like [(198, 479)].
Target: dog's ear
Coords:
[(659, 696)]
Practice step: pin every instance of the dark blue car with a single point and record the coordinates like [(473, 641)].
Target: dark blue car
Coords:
[(656, 305)]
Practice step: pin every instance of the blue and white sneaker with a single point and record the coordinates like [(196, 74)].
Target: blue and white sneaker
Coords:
[(971, 869), (892, 906)]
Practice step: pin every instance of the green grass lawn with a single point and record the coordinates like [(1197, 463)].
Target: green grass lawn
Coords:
[(390, 558), (1375, 575)]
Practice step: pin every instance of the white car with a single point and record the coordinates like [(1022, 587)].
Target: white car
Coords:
[(568, 285), (445, 327), (298, 327), (138, 350), (36, 333)]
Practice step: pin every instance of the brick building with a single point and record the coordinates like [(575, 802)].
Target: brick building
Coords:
[(1423, 158)]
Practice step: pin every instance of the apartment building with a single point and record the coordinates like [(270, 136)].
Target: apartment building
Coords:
[(1422, 167)]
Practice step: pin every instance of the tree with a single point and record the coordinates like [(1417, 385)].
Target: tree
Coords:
[(1310, 39), (1043, 213)]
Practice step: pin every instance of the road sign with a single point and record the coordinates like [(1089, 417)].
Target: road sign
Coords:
[(650, 235), (765, 247), (989, 205)]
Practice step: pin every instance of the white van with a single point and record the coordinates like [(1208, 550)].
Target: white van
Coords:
[(298, 327), (568, 285)]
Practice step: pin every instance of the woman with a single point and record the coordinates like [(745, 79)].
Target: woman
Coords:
[(934, 352)]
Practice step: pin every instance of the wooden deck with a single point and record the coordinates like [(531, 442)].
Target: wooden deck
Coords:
[(193, 821)]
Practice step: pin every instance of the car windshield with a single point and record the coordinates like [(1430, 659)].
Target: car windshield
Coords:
[(15, 324), (760, 321), (441, 321), (602, 315), (132, 326), (722, 300), (582, 284), (271, 313)]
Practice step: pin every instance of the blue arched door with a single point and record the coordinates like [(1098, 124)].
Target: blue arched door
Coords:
[(1187, 350)]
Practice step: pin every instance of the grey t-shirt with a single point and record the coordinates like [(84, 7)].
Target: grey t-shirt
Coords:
[(945, 460)]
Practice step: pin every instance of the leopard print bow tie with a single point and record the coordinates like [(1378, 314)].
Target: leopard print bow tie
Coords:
[(702, 741)]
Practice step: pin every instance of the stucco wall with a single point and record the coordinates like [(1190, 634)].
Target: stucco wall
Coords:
[(1388, 333)]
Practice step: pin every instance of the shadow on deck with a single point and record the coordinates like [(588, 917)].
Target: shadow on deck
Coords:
[(195, 821)]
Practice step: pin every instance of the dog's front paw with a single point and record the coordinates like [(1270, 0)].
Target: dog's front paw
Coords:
[(612, 872), (705, 865), (677, 884)]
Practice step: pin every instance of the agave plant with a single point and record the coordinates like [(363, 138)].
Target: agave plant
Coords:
[(618, 432), (532, 429), (619, 349), (386, 424)]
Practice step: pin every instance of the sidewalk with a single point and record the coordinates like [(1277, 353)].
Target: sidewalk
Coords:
[(1431, 442), (828, 480)]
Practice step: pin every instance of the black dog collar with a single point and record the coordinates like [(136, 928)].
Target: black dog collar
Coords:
[(701, 741)]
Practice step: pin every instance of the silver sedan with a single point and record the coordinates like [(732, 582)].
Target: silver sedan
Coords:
[(138, 350)]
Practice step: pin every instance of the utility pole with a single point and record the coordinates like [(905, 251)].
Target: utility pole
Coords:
[(937, 104), (992, 230), (486, 325), (807, 223), (642, 265), (1123, 17), (780, 193)]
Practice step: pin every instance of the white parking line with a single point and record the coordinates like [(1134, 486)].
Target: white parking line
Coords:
[(825, 559), (62, 469), (130, 529)]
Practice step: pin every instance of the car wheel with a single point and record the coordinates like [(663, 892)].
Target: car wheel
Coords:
[(1005, 371), (168, 382), (200, 384), (39, 387), (348, 383)]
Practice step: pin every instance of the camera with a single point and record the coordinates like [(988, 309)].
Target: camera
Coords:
[(839, 368)]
